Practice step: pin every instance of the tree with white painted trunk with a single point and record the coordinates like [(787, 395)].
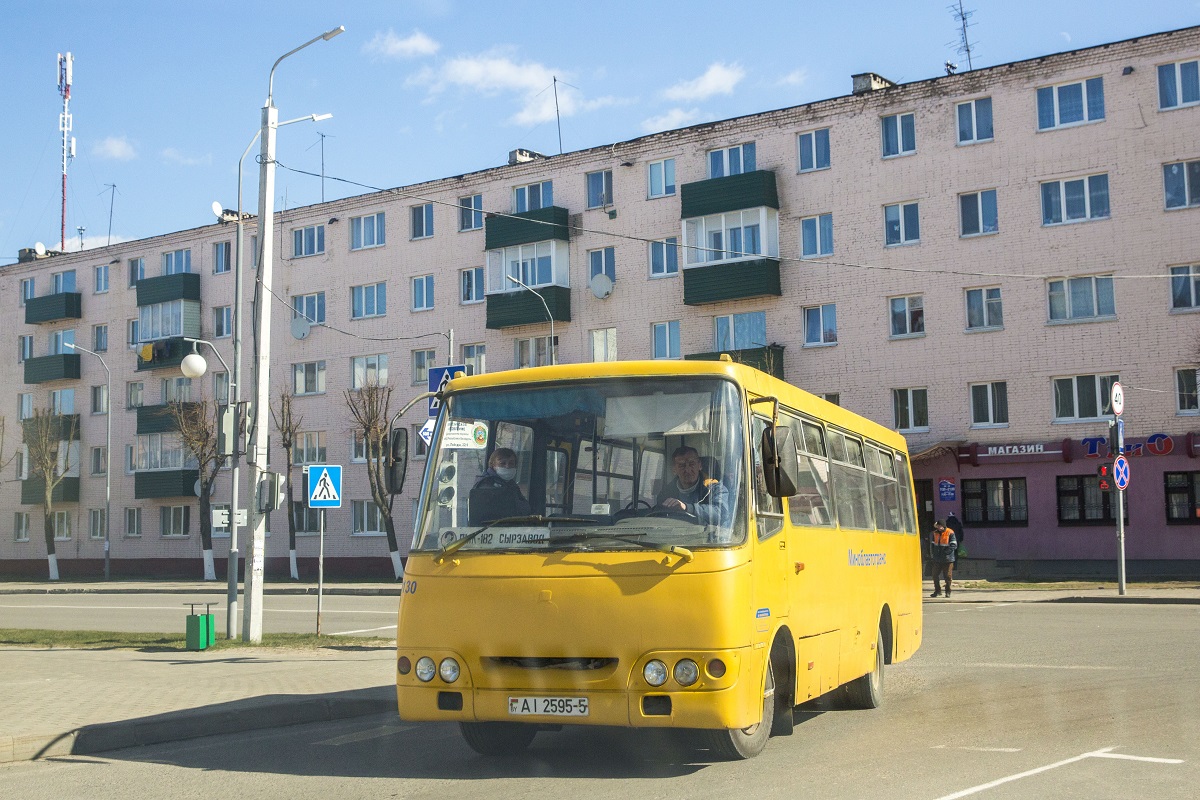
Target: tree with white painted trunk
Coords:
[(370, 407), (52, 440), (287, 423), (197, 425)]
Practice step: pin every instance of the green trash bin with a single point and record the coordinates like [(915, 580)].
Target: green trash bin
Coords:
[(200, 629)]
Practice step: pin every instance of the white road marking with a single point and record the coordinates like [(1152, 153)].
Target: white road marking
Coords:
[(362, 736), (1141, 758), (364, 630), (1104, 753), (999, 665)]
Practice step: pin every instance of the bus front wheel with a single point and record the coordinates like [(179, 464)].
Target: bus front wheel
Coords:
[(497, 738), (740, 743), (867, 691)]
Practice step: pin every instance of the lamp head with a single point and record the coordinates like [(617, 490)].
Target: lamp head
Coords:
[(193, 365), (320, 117), (330, 34)]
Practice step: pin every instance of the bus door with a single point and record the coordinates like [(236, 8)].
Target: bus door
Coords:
[(771, 554)]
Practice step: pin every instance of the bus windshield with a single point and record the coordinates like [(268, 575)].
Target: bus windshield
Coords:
[(613, 464)]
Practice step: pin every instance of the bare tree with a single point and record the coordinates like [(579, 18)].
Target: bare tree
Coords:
[(48, 436), (197, 424), (370, 407), (288, 423)]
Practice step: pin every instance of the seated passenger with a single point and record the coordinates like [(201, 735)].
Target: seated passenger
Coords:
[(693, 492), (496, 494)]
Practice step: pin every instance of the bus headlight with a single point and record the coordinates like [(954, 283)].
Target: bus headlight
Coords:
[(655, 672), (426, 669), (686, 672), (448, 669)]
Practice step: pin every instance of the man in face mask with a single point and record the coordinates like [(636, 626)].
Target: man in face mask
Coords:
[(496, 494)]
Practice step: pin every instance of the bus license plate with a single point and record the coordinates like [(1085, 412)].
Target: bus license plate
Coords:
[(548, 706)]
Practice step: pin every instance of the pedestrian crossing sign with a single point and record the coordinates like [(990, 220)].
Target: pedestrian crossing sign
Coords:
[(325, 486)]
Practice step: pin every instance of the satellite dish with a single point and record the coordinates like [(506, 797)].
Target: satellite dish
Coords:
[(601, 285), (196, 489), (300, 327), (39, 248), (216, 207)]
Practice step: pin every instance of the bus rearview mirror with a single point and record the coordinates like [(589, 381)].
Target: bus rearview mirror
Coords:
[(781, 467)]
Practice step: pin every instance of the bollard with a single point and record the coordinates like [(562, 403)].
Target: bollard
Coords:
[(200, 630)]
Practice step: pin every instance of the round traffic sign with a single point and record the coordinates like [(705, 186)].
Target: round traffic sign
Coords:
[(1121, 472), (1118, 399)]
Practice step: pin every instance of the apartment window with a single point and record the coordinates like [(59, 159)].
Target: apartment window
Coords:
[(134, 391), (731, 160), (977, 213), (101, 278), (254, 250), (131, 459), (177, 262), (308, 378), (604, 344), (662, 178), (989, 404), (901, 224), (221, 387), (474, 358), (366, 516), (133, 522), (62, 525), (1182, 491), (99, 460), (422, 360), (422, 293), (666, 339), (1081, 501), (62, 342), (816, 236), (62, 401), (1082, 397), (160, 321), (1088, 297), (1075, 200), (740, 331), (222, 322), (137, 270), (832, 397), (222, 257), (1185, 391), (308, 241), (27, 290), (132, 333), (99, 399), (1185, 287), (368, 301), (1181, 182), (309, 448), (1178, 85), (1070, 103), (174, 520), (419, 449), (470, 213), (533, 196), (984, 308), (975, 121), (996, 501), (814, 150), (96, 523), (24, 348), (367, 231), (664, 257), (537, 264), (820, 325), (603, 261), (422, 221), (64, 281), (21, 460), (536, 352), (157, 451), (733, 235), (21, 526), (100, 338), (899, 135), (368, 371), (599, 189), (308, 520), (910, 409), (908, 315), (24, 406), (177, 390), (471, 283), (310, 306)]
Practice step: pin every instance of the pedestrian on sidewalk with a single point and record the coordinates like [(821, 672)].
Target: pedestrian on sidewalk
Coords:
[(942, 547)]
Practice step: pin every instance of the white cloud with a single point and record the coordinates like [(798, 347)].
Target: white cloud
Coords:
[(116, 148), (718, 79), (1066, 36), (389, 45), (675, 118), (89, 242), (794, 78), (183, 159)]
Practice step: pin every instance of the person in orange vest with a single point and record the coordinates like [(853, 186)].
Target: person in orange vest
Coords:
[(942, 547)]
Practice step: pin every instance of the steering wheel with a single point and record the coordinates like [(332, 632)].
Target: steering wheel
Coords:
[(633, 505), (633, 509)]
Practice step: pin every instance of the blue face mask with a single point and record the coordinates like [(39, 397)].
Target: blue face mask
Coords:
[(506, 473)]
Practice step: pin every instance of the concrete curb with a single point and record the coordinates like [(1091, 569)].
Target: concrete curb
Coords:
[(272, 711), (365, 591)]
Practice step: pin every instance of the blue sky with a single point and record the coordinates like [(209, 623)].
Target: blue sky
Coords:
[(167, 95)]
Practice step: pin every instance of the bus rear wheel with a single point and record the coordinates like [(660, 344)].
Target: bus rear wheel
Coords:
[(867, 691), (741, 743), (497, 738)]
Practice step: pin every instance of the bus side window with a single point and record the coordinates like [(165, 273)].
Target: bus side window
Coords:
[(811, 505)]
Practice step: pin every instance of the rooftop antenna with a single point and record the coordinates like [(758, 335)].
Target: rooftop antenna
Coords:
[(964, 46), (65, 64), (81, 229), (112, 187), (556, 114), (322, 142)]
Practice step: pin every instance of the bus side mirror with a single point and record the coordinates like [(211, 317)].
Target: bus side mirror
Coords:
[(396, 466), (781, 467)]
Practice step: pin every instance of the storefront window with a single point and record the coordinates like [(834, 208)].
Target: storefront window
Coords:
[(995, 501)]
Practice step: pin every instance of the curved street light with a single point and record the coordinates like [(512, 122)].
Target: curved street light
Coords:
[(553, 341)]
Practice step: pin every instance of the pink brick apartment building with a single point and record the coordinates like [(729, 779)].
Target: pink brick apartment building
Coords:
[(972, 259)]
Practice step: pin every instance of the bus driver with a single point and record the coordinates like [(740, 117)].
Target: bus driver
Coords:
[(693, 492)]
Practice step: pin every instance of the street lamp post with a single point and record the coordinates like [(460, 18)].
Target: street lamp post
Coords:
[(256, 455), (553, 342), (107, 453)]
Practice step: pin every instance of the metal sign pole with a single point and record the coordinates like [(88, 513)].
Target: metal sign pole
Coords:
[(1120, 515), (320, 568)]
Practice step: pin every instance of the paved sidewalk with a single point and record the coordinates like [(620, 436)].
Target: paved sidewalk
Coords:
[(193, 587)]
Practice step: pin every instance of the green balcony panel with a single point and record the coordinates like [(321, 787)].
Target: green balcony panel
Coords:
[(53, 307), (165, 483), (769, 359), (731, 281), (33, 491), (62, 428), (165, 288), (61, 367), (164, 353), (528, 226), (524, 308), (158, 419), (731, 193)]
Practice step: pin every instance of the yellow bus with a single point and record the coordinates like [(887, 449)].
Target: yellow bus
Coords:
[(683, 544)]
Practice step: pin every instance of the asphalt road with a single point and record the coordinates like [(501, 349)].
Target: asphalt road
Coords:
[(1003, 701)]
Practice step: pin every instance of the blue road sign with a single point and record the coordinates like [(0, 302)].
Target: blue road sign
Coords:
[(438, 378), (1121, 472), (325, 486)]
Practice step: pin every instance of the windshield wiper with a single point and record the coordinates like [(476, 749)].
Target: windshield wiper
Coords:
[(628, 538), (527, 519)]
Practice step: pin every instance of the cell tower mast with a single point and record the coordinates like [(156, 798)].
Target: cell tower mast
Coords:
[(65, 63)]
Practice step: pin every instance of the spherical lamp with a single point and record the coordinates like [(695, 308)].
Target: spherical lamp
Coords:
[(193, 365)]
